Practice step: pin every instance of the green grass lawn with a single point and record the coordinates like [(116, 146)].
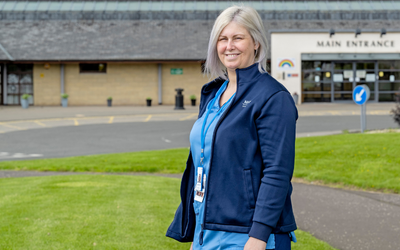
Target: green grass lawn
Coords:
[(95, 212), (369, 161), (363, 160), (158, 161)]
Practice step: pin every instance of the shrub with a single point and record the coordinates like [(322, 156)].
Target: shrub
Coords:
[(396, 110), (25, 96), (396, 113)]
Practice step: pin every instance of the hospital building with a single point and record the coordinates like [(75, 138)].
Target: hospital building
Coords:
[(132, 50)]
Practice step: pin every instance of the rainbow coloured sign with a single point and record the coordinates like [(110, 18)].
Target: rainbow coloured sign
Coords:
[(286, 63)]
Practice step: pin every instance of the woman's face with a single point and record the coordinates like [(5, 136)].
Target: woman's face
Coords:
[(235, 47)]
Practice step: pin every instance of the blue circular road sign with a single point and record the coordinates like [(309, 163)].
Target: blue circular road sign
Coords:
[(361, 94)]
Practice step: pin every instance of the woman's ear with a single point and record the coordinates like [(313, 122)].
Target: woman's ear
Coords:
[(256, 45)]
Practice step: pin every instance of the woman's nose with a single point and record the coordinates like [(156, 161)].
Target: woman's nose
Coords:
[(230, 45)]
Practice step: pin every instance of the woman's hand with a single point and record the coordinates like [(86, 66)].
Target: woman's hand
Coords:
[(191, 246), (255, 244)]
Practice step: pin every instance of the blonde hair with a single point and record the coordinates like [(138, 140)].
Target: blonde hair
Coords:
[(249, 19)]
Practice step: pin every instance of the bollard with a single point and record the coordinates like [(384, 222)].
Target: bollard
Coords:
[(179, 99)]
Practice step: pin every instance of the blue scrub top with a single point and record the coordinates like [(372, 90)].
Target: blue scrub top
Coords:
[(213, 239)]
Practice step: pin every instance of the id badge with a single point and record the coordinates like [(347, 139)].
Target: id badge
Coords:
[(199, 196), (198, 179)]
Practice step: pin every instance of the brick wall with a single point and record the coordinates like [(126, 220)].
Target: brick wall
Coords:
[(191, 81), (46, 85), (127, 84)]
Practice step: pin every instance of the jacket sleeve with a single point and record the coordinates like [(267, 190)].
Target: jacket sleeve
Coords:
[(276, 128), (182, 227)]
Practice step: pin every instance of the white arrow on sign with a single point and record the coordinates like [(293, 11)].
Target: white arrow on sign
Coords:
[(358, 95)]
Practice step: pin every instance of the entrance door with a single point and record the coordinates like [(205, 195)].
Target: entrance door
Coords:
[(334, 81), (347, 75), (342, 80), (367, 73), (19, 82)]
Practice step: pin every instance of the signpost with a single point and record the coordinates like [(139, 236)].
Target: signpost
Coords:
[(360, 96)]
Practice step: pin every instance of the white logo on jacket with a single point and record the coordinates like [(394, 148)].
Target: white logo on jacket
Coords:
[(245, 103)]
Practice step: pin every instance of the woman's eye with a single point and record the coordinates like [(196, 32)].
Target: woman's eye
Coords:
[(222, 39)]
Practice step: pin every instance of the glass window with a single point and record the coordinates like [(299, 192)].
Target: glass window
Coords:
[(317, 76), (343, 96), (389, 76), (389, 86), (344, 66), (312, 86), (316, 97), (365, 65), (343, 86), (93, 67), (388, 97), (307, 65), (316, 65), (371, 85), (391, 65), (13, 68)]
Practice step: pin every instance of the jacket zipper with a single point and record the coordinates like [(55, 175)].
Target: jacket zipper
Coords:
[(209, 169)]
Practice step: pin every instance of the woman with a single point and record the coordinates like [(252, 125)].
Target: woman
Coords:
[(236, 188)]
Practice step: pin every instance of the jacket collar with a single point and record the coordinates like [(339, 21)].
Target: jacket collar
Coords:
[(245, 75), (214, 84)]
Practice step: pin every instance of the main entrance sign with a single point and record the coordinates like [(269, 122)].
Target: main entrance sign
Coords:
[(356, 44)]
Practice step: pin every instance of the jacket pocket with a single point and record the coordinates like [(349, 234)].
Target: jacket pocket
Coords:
[(248, 183)]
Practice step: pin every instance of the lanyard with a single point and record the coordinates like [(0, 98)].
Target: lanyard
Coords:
[(204, 133)]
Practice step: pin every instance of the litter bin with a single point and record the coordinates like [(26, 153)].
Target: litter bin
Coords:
[(179, 99)]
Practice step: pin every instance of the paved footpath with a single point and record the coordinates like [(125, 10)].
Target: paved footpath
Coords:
[(348, 220)]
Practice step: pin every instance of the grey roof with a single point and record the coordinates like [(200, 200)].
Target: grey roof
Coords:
[(159, 30), (126, 6), (196, 10), (120, 40), (104, 40)]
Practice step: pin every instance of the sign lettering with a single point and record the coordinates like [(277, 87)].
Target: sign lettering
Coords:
[(357, 44)]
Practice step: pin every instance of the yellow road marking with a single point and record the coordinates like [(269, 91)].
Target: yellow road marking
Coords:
[(40, 124), (148, 118), (11, 126), (76, 123), (188, 117), (111, 119)]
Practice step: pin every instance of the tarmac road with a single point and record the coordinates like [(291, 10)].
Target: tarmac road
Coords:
[(136, 135)]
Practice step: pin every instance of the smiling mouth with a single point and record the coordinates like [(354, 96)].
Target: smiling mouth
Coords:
[(232, 55)]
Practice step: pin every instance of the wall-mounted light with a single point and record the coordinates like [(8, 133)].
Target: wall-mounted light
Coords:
[(383, 32), (331, 32), (358, 32), (46, 66)]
